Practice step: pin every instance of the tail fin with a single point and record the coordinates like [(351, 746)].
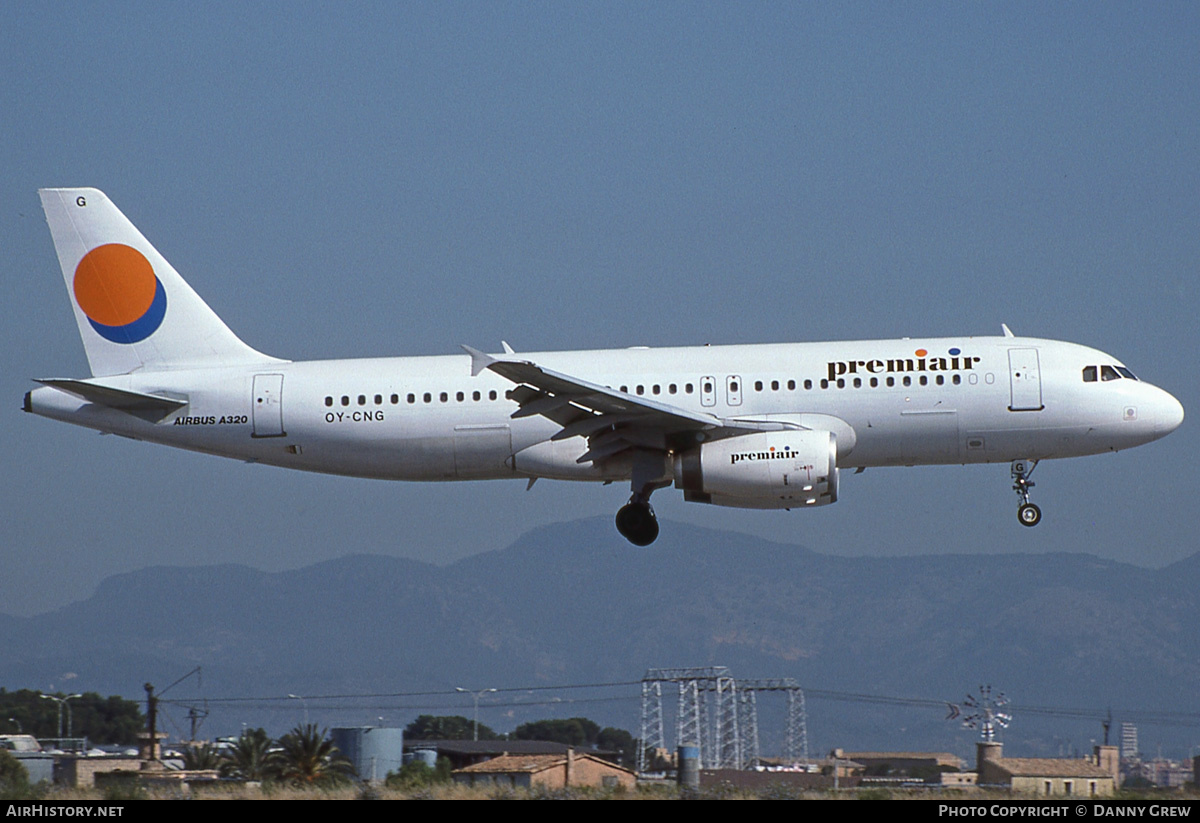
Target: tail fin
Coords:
[(133, 309)]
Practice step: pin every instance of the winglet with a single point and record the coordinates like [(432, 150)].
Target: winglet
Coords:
[(479, 360), (1007, 330)]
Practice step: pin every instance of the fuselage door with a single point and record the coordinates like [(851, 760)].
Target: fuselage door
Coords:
[(708, 391), (1025, 378), (267, 406), (733, 390)]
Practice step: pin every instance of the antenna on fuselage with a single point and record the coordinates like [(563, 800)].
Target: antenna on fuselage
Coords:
[(1007, 330)]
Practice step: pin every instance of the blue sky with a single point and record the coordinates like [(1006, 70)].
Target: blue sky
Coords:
[(343, 180)]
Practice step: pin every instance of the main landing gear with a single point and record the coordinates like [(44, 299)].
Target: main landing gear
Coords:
[(635, 520), (1027, 513)]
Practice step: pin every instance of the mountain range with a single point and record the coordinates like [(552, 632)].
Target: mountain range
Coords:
[(879, 642)]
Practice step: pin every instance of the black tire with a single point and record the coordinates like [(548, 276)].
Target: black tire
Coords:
[(637, 524), (1029, 514)]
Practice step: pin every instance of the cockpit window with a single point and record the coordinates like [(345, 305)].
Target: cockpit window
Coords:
[(1109, 373), (1126, 372), (1089, 374)]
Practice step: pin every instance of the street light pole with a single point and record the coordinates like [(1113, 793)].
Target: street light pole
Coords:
[(303, 703), (62, 701), (476, 695)]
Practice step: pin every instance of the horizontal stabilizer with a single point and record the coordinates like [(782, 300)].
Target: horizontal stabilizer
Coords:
[(122, 399)]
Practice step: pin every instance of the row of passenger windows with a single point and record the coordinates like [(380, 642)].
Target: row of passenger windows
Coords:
[(673, 388), (410, 398), (759, 385), (1106, 373)]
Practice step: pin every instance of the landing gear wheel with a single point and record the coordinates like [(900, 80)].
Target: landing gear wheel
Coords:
[(1029, 514), (637, 524)]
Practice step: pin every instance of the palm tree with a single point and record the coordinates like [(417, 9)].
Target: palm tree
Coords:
[(249, 757), (309, 758), (201, 758)]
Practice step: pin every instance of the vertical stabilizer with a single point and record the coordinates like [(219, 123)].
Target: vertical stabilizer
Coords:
[(133, 309)]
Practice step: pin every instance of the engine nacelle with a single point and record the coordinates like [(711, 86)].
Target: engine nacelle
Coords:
[(771, 470)]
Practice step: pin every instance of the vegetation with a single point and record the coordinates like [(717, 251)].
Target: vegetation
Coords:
[(250, 756), (446, 727), (581, 732), (417, 775), (99, 719), (14, 779), (204, 757), (308, 758)]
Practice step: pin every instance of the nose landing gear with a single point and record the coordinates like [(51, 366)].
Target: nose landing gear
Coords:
[(1027, 513)]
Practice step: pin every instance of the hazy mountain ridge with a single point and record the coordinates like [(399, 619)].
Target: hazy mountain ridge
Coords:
[(571, 603)]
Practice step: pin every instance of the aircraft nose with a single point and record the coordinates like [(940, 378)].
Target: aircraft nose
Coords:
[(1168, 414)]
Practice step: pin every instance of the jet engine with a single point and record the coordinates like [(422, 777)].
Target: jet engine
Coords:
[(769, 470)]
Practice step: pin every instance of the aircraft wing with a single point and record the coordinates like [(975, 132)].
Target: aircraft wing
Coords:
[(611, 420)]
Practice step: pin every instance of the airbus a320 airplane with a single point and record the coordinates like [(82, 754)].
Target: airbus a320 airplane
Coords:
[(748, 426)]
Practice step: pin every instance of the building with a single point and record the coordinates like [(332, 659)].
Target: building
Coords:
[(550, 771), (1058, 777)]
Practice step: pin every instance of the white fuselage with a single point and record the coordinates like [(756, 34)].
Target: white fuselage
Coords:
[(996, 399)]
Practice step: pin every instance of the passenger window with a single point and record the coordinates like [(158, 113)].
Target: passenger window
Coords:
[(774, 385), (1089, 374), (443, 397), (345, 400), (395, 399), (362, 400), (758, 385), (492, 394), (807, 384), (657, 389), (874, 382), (1109, 373), (841, 384), (733, 387), (791, 385), (672, 388), (956, 379), (428, 397), (687, 388), (824, 383), (475, 396), (891, 381), (625, 390), (328, 401), (941, 380), (412, 398), (641, 390), (858, 382), (459, 397), (379, 400), (924, 380), (907, 380)]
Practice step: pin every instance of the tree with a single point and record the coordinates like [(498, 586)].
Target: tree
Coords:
[(308, 758), (575, 731), (249, 757), (14, 779), (445, 727), (100, 719), (201, 758)]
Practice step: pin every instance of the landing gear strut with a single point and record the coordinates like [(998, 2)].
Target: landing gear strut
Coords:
[(1027, 513)]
